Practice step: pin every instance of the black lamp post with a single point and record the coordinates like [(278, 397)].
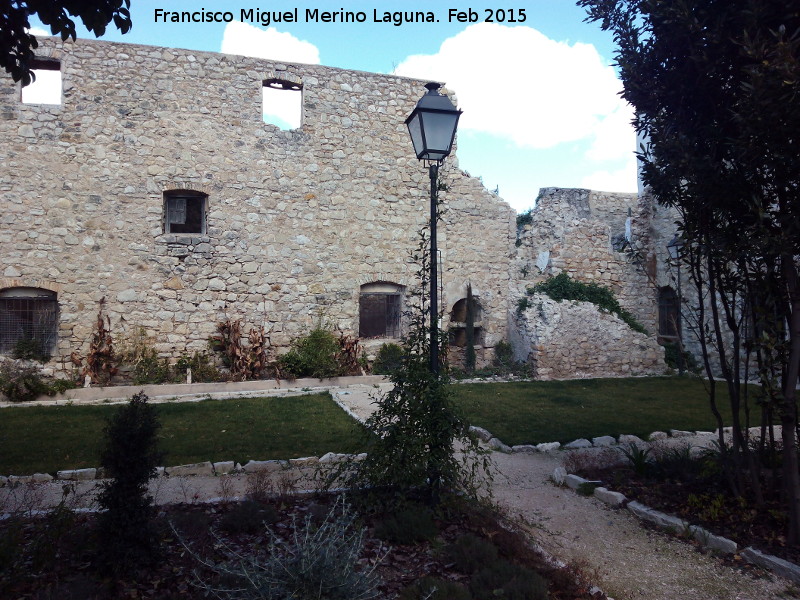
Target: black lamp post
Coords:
[(675, 247), (432, 126)]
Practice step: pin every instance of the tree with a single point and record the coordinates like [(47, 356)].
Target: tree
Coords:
[(17, 44), (716, 89)]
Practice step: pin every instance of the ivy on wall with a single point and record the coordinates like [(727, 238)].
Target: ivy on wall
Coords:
[(562, 287)]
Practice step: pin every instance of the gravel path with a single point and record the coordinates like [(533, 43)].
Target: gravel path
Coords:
[(626, 560)]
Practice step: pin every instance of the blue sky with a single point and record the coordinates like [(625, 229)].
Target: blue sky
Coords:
[(539, 97)]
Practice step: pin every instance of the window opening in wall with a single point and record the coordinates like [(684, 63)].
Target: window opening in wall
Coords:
[(282, 103), (184, 212), (668, 325), (380, 307), (28, 316), (46, 87)]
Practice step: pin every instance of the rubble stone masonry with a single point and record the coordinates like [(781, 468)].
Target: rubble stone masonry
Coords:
[(296, 220)]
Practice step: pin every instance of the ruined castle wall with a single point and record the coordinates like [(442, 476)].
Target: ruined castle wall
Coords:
[(577, 340), (581, 232), (297, 220), (575, 231)]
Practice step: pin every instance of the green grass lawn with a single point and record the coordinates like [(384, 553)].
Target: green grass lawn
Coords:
[(562, 411), (46, 439)]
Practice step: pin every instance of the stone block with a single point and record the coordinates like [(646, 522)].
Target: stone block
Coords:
[(714, 542), (782, 567), (559, 476), (307, 461), (19, 479), (41, 477), (574, 482), (480, 433), (3, 480), (548, 446), (77, 474), (661, 519), (201, 468), (603, 441), (578, 444), (271, 466), (677, 433), (331, 457), (657, 435), (499, 446), (631, 439), (524, 448), (225, 467), (608, 497)]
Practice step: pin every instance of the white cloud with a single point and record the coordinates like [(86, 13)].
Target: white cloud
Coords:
[(38, 31), (623, 179), (517, 83), (248, 40)]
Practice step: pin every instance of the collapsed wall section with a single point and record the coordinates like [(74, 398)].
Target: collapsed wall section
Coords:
[(594, 237), (156, 185)]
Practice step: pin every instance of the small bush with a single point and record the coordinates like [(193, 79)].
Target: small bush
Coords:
[(30, 349), (315, 355), (408, 526), (388, 359), (672, 356), (203, 371), (503, 579), (433, 588), (149, 369), (20, 383), (470, 553), (248, 517), (561, 287), (316, 563), (126, 527), (640, 459)]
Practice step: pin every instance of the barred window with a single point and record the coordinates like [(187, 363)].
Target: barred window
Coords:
[(30, 316), (184, 212), (380, 308)]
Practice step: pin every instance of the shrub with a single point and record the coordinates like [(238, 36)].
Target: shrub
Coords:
[(317, 562), (19, 383), (388, 359), (202, 369), (248, 516), (148, 368), (30, 349), (126, 529), (315, 355), (433, 588), (407, 526), (503, 579), (470, 553), (410, 438), (672, 356), (561, 287)]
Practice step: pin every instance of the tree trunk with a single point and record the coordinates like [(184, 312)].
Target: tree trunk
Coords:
[(791, 476)]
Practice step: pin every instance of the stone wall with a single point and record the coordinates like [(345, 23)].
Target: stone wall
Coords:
[(297, 221), (612, 239), (577, 340)]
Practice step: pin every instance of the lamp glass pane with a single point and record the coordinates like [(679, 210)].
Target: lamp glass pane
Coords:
[(439, 131), (415, 131)]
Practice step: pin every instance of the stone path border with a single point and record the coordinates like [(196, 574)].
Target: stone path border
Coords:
[(662, 520)]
